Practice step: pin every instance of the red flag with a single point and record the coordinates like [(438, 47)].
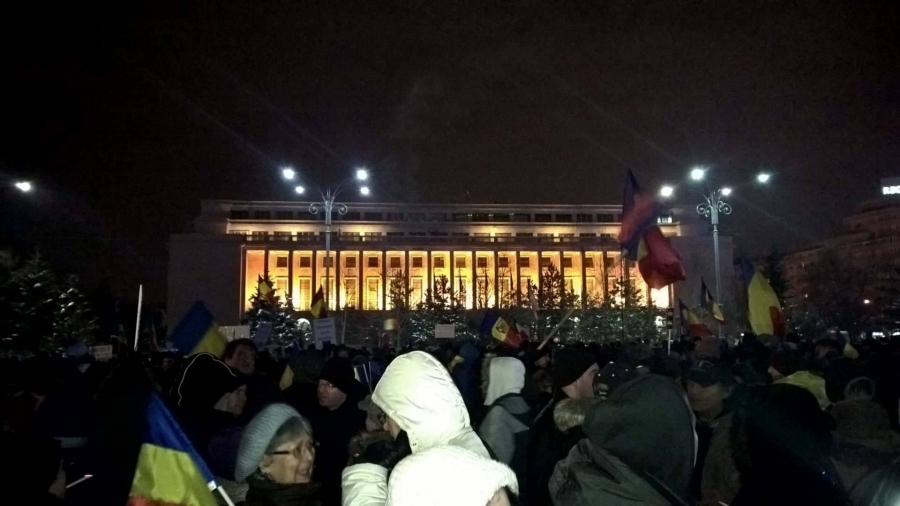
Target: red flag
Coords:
[(659, 263)]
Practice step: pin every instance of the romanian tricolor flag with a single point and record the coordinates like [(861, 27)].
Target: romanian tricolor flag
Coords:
[(500, 330), (764, 310), (198, 333), (265, 289), (691, 324), (643, 241), (707, 301), (169, 471), (317, 305)]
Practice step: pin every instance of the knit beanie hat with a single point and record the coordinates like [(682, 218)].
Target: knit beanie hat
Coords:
[(569, 364), (257, 436), (339, 372), (447, 476), (204, 381)]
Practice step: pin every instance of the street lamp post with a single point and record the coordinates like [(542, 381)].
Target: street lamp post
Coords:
[(328, 206), (713, 206), (711, 209)]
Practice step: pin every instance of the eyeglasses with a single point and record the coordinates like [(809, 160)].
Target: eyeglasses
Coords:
[(310, 447)]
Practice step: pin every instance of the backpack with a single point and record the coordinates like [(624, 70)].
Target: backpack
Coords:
[(590, 476)]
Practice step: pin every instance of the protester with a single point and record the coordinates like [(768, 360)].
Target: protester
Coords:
[(574, 371), (210, 399), (423, 409), (640, 446), (504, 428), (276, 457), (465, 375), (716, 478), (450, 476), (612, 376), (240, 355), (865, 447), (336, 420), (782, 445)]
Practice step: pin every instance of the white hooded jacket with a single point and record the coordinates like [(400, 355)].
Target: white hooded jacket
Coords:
[(417, 392)]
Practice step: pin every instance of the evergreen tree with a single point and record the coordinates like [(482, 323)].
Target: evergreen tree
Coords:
[(39, 312), (270, 309)]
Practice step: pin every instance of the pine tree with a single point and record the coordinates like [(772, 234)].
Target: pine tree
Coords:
[(39, 312), (272, 310), (75, 321)]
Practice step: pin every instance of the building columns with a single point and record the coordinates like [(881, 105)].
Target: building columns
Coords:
[(384, 281), (361, 257), (604, 277), (266, 263), (337, 280), (452, 272), (474, 282), (429, 272), (496, 280), (583, 281), (518, 288), (406, 269), (291, 277)]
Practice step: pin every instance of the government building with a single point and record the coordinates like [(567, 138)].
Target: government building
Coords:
[(489, 253)]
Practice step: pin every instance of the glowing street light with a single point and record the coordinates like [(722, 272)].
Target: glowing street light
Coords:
[(327, 206), (697, 174), (867, 301), (666, 191), (763, 177), (725, 191), (23, 186)]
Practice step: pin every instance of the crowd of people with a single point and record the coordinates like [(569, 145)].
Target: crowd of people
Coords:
[(708, 422)]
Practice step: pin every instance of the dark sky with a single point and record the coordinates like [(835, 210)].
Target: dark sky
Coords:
[(126, 114)]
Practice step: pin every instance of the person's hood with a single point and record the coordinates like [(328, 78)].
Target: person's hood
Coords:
[(417, 393), (448, 476), (507, 376), (647, 423), (811, 383), (204, 381)]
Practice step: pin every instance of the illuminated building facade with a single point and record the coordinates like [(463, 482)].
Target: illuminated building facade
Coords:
[(488, 253)]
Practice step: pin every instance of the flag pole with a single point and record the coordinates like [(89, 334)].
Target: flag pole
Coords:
[(224, 494), (137, 325), (555, 329)]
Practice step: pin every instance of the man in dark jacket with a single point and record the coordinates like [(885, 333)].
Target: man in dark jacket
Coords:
[(639, 449), (573, 378), (337, 419)]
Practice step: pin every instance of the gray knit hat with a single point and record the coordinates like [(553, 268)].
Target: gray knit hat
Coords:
[(257, 436)]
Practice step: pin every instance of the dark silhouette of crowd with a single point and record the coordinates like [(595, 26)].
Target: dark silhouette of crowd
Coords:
[(743, 421)]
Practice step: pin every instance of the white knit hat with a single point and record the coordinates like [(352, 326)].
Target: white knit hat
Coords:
[(257, 436), (447, 476)]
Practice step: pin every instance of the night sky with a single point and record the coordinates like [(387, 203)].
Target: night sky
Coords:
[(127, 114)]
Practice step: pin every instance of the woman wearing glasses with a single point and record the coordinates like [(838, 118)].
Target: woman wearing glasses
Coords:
[(276, 458)]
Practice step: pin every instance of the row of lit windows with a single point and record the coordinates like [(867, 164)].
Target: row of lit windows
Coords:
[(395, 262), (261, 214), (262, 233)]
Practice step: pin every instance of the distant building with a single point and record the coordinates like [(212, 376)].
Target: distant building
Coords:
[(870, 236), (485, 251)]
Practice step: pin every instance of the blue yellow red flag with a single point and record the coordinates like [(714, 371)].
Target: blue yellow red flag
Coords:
[(639, 212), (691, 324), (497, 327), (764, 310), (169, 471), (317, 304), (198, 333), (707, 301)]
